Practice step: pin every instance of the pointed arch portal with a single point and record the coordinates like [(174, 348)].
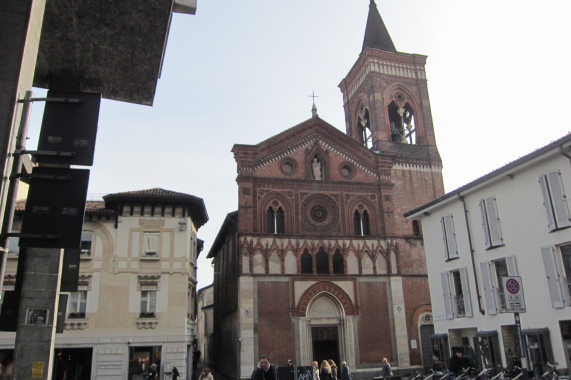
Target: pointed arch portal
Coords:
[(326, 324)]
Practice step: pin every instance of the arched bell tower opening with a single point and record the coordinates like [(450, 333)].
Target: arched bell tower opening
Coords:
[(401, 121)]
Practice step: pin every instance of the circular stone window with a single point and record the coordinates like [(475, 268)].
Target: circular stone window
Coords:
[(347, 170), (288, 166), (320, 212)]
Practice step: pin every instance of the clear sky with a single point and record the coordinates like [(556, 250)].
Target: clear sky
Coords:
[(242, 71)]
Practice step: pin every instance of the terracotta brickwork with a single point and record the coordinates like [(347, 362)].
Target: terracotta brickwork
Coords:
[(320, 232), (275, 328), (375, 341)]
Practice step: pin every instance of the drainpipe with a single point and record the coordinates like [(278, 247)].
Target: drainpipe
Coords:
[(461, 199)]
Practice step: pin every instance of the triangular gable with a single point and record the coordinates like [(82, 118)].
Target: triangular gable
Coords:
[(305, 136)]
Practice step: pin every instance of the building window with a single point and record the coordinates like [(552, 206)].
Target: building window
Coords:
[(555, 201), (559, 286), (86, 241), (322, 262), (148, 301), (539, 349), (78, 303), (338, 263), (151, 243), (491, 223), (275, 221), (440, 351), (361, 223), (306, 263), (487, 349), (449, 237), (456, 293), (492, 273), (14, 246)]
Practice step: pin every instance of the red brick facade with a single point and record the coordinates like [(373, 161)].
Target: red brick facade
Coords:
[(328, 266)]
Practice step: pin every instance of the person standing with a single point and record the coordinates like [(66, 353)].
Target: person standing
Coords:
[(333, 369), (195, 358), (265, 370), (345, 372), (457, 363), (205, 374), (387, 372), (325, 371), (315, 370), (175, 374)]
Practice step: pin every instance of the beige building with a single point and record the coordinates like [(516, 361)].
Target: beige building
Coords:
[(135, 303)]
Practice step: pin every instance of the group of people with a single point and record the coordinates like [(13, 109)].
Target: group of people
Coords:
[(329, 371)]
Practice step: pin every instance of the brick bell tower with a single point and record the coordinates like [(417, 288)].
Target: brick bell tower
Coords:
[(387, 110), (385, 96)]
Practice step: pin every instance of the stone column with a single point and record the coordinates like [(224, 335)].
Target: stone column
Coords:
[(399, 317), (37, 317)]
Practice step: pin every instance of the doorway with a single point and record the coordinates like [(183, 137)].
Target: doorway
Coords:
[(325, 341), (72, 363)]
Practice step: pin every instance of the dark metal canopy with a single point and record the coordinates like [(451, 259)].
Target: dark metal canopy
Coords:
[(110, 47)]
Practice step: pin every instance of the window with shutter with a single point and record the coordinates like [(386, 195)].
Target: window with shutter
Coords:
[(553, 277), (449, 237), (466, 291), (489, 291), (444, 277), (555, 201), (491, 223)]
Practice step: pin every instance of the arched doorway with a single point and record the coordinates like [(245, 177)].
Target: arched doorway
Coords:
[(328, 329)]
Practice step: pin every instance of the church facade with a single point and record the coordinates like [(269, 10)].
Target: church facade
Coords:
[(318, 262)]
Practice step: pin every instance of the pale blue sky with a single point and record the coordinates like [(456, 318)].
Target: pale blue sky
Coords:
[(242, 71)]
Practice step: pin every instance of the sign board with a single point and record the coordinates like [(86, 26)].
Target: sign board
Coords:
[(38, 370), (69, 125), (513, 292), (55, 208)]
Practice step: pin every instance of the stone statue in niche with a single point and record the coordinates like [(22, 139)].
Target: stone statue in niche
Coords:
[(316, 169)]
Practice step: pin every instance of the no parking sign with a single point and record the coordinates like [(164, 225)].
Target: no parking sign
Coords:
[(513, 292)]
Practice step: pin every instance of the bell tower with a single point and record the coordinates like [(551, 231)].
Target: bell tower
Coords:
[(385, 97)]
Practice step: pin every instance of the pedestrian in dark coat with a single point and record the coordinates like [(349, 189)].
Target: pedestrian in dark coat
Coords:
[(265, 370), (345, 372)]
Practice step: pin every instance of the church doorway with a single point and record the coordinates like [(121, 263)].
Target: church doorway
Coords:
[(325, 341)]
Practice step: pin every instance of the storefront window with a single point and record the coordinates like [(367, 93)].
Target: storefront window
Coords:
[(539, 349), (487, 349)]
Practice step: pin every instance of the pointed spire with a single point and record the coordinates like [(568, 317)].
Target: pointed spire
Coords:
[(314, 110), (376, 34)]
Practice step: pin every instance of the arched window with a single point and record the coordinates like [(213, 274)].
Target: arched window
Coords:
[(322, 262), (338, 263), (401, 121), (364, 125), (361, 223), (275, 221), (306, 263)]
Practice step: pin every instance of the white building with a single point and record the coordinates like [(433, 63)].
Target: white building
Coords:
[(511, 223), (135, 304)]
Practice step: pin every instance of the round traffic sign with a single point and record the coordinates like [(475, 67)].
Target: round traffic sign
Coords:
[(512, 285)]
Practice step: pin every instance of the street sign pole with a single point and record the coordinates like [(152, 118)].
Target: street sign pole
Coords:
[(522, 345)]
